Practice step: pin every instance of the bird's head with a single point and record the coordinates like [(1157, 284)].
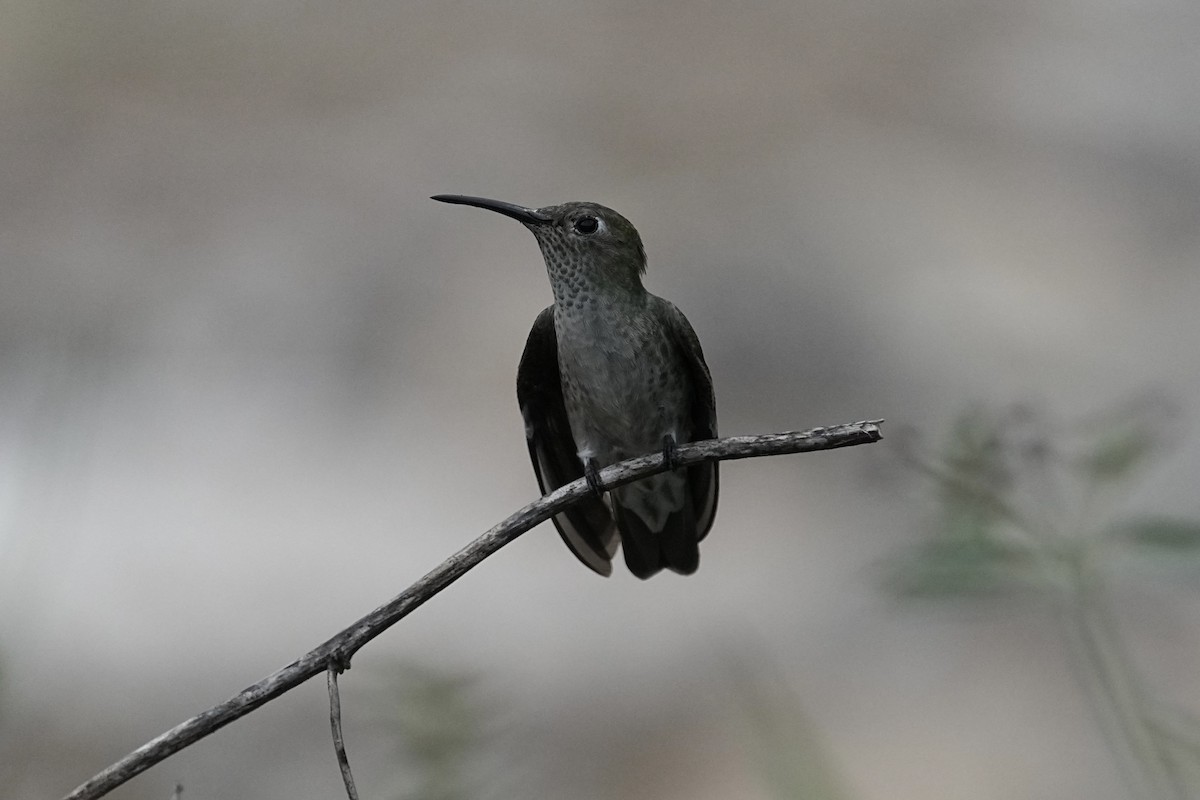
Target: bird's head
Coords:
[(584, 244)]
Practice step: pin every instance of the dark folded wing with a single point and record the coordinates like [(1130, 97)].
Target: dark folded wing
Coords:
[(587, 527), (703, 480)]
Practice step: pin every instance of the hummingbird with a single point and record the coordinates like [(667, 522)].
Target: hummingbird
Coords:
[(609, 372)]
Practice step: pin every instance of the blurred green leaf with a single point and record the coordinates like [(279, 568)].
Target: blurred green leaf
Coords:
[(969, 553), (439, 724), (974, 457), (1163, 533), (1118, 452), (1177, 734), (954, 568), (1017, 497), (793, 757)]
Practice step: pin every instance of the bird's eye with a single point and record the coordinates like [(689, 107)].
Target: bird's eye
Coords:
[(587, 225)]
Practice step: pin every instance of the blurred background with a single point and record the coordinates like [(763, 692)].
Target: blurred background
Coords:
[(253, 383)]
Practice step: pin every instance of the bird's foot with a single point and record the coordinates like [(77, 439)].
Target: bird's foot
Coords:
[(591, 474), (670, 453)]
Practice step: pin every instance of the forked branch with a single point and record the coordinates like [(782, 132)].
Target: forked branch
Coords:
[(344, 645)]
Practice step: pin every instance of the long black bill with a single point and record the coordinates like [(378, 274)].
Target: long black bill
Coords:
[(530, 216)]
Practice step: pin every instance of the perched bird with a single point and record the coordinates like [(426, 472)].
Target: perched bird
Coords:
[(611, 371)]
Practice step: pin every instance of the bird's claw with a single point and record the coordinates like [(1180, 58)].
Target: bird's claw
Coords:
[(591, 474), (669, 452)]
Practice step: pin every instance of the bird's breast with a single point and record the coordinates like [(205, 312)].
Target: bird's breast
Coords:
[(623, 381)]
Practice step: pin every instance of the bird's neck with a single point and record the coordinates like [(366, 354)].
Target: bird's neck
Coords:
[(602, 298), (576, 285)]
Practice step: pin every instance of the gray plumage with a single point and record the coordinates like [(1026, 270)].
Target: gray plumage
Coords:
[(611, 371)]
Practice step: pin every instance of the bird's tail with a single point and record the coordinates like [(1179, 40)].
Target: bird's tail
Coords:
[(670, 541)]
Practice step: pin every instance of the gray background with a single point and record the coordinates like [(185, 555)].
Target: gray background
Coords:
[(253, 382)]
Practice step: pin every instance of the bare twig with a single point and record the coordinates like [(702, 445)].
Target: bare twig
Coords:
[(345, 644), (335, 722)]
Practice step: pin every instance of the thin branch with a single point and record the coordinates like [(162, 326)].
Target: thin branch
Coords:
[(345, 644), (335, 723)]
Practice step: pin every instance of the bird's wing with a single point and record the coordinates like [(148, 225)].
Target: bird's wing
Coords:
[(587, 527), (703, 480)]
